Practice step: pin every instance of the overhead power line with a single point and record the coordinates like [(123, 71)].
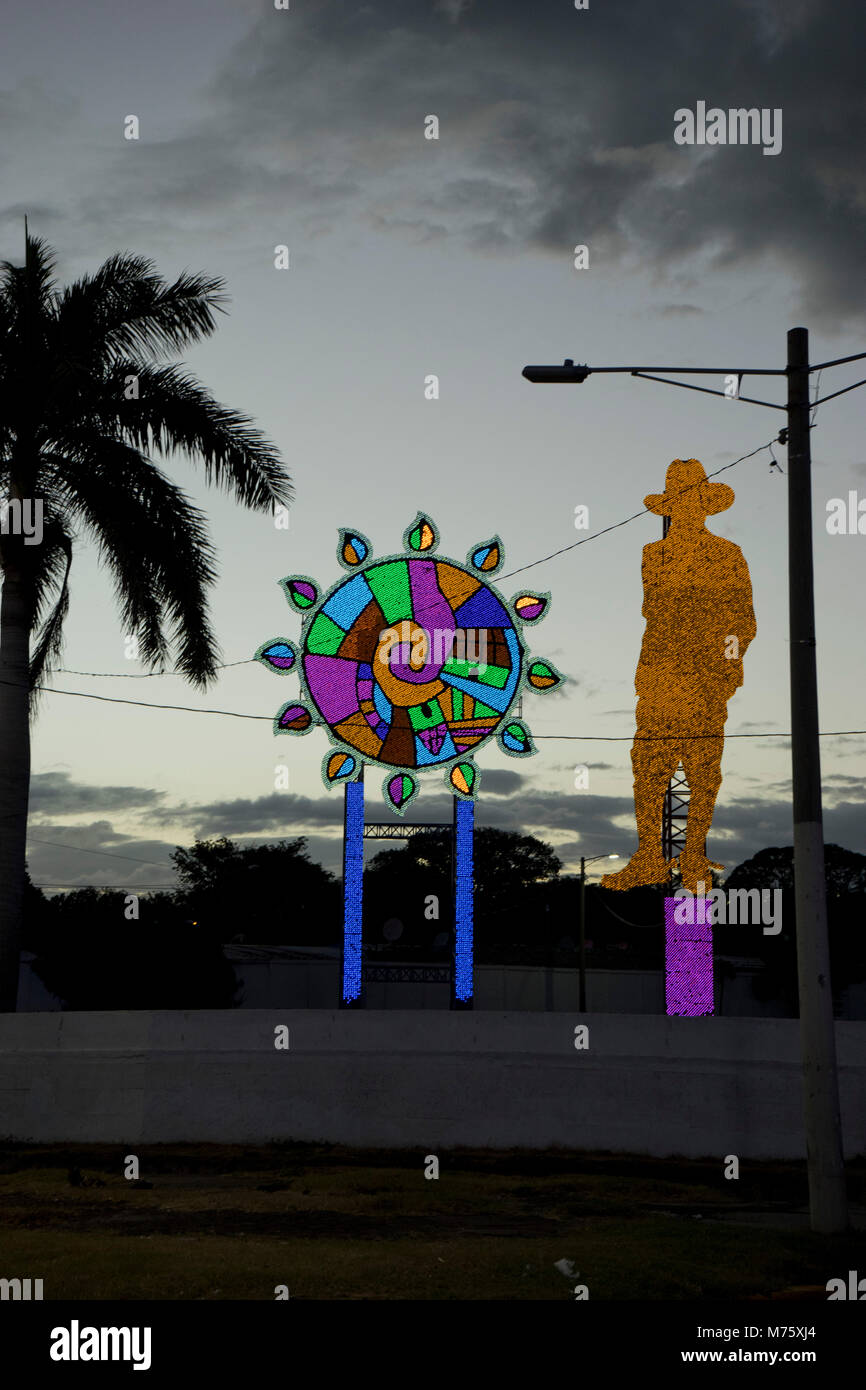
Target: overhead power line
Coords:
[(579, 738), (247, 661), (85, 849), (266, 718), (644, 511)]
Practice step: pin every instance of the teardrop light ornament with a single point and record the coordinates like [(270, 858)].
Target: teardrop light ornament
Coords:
[(301, 591), (293, 719), (487, 558), (516, 740), (353, 549), (339, 767), (543, 676), (278, 655), (531, 608), (421, 536), (399, 791), (463, 779)]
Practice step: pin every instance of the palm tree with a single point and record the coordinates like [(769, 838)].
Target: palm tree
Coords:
[(86, 397)]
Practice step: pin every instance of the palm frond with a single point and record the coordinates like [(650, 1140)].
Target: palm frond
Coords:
[(154, 542), (56, 564), (126, 308), (175, 412)]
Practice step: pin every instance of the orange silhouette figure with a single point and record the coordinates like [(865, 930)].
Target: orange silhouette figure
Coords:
[(699, 623)]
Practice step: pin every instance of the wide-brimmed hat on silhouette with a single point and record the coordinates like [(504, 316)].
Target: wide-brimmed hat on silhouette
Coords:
[(685, 484)]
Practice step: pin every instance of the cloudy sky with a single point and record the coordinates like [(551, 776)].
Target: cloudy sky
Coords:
[(455, 257)]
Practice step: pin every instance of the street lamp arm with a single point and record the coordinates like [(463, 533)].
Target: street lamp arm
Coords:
[(569, 372), (709, 391), (834, 394), (837, 362)]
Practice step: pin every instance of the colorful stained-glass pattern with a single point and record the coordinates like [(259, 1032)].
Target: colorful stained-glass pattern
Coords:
[(353, 549), (488, 557), (293, 719), (463, 779), (421, 535), (531, 607), (542, 676), (301, 592), (278, 655), (413, 662), (339, 767)]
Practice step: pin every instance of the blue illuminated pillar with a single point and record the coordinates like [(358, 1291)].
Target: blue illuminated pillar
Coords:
[(352, 991), (462, 989)]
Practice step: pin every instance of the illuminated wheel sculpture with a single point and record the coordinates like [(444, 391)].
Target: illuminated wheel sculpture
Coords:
[(411, 663)]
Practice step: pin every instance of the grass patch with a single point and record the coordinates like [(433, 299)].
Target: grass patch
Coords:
[(334, 1223)]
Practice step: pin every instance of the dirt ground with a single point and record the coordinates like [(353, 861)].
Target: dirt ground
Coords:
[(324, 1222)]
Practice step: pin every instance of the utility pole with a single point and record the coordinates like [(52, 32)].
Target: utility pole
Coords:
[(827, 1196), (581, 944), (817, 1032)]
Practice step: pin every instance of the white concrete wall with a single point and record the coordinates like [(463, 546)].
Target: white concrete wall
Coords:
[(315, 984), (647, 1084)]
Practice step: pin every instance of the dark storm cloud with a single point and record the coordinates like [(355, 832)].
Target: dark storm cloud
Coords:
[(501, 782), (556, 128), (56, 794), (70, 856), (574, 823), (285, 816), (279, 812)]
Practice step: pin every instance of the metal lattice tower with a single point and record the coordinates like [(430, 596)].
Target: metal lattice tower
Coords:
[(674, 815)]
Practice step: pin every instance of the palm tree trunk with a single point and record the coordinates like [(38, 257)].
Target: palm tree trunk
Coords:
[(14, 776)]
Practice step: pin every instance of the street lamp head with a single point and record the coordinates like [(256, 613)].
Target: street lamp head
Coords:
[(567, 372)]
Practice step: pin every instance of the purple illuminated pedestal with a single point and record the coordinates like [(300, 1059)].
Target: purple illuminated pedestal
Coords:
[(688, 957)]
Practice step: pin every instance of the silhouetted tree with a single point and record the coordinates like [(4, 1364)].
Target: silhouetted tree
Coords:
[(844, 870), (93, 954), (511, 871), (86, 400), (265, 894), (773, 868)]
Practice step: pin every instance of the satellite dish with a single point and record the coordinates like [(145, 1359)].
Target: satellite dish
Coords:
[(393, 929)]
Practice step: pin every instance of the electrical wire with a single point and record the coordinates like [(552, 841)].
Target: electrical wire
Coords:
[(147, 675), (580, 738), (645, 511), (85, 849)]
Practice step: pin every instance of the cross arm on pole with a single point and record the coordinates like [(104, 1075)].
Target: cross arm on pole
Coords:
[(708, 390), (837, 362), (834, 394)]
